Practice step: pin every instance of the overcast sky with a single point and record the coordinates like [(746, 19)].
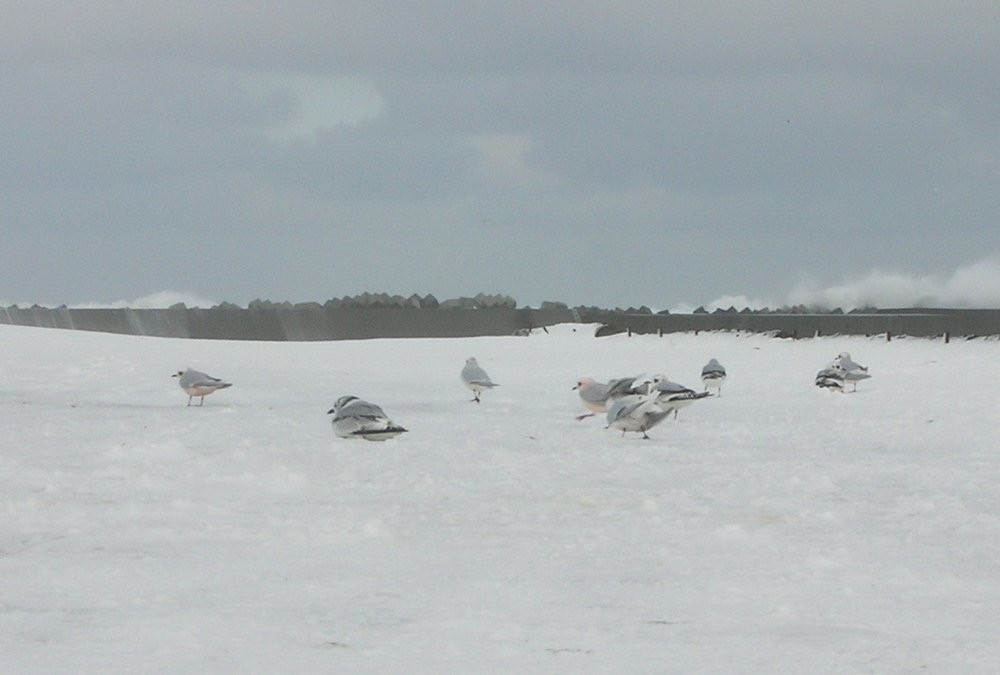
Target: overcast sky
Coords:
[(613, 153)]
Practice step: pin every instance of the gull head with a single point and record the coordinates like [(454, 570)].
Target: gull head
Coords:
[(340, 403)]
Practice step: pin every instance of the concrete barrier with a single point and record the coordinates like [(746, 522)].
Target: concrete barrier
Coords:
[(318, 322), (923, 323), (293, 324)]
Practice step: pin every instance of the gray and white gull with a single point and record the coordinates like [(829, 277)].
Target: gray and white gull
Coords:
[(475, 378), (196, 383), (357, 418)]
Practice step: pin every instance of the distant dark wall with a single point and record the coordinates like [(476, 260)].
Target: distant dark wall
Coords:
[(917, 324), (327, 323), (290, 324)]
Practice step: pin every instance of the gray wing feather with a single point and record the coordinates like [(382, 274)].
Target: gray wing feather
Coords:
[(620, 387), (713, 368), (668, 387), (194, 378), (622, 408), (359, 409), (473, 374), (595, 393)]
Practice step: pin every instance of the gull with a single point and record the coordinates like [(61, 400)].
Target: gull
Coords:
[(595, 395), (713, 376), (356, 418), (673, 396), (635, 412), (475, 378), (853, 372), (195, 383), (831, 377)]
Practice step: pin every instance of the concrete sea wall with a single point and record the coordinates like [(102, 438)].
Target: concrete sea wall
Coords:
[(294, 324), (317, 322), (916, 323)]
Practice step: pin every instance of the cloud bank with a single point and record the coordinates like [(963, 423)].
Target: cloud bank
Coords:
[(972, 286), (158, 300)]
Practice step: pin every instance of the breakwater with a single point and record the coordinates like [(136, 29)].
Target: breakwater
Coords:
[(291, 324), (891, 322), (312, 321)]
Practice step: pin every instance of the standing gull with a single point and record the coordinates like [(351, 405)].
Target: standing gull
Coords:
[(596, 395), (635, 412), (853, 372), (713, 376), (355, 418), (673, 396), (195, 383), (475, 378)]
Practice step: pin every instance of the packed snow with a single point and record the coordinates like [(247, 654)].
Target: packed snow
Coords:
[(775, 528)]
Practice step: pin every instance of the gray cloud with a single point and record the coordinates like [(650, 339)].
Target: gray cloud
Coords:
[(551, 150)]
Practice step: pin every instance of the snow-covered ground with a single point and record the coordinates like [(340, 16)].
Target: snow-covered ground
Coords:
[(777, 528)]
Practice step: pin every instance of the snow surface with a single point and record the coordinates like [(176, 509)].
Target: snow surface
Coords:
[(777, 528)]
